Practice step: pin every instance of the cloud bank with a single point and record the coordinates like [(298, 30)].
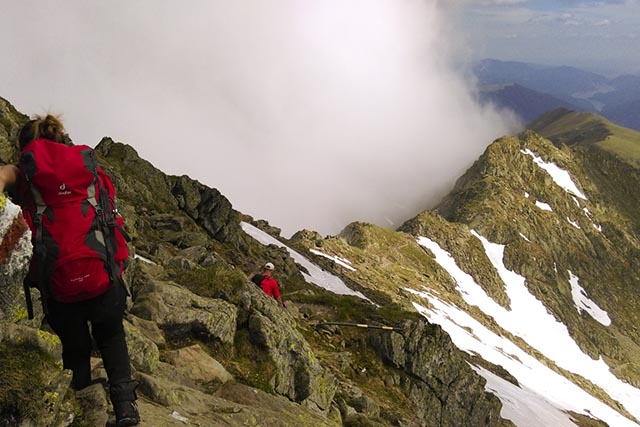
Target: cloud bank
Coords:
[(308, 114), (601, 36)]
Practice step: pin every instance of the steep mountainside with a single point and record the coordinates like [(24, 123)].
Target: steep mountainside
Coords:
[(209, 348), (532, 264), (515, 302)]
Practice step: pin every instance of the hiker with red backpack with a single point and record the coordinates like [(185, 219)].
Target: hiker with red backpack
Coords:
[(80, 253)]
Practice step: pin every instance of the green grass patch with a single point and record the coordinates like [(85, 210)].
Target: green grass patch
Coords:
[(340, 308), (573, 128), (249, 363), (23, 377), (212, 282)]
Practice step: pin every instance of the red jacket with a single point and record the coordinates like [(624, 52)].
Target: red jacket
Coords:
[(270, 287)]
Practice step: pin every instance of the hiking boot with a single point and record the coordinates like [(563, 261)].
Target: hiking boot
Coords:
[(126, 413)]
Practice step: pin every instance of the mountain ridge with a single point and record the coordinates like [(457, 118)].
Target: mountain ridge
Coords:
[(191, 295), (614, 98)]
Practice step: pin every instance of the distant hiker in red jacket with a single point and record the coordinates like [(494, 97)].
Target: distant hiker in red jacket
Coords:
[(267, 283), (79, 254)]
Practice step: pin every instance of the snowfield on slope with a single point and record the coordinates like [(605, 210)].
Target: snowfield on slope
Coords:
[(583, 302), (316, 275), (338, 260), (529, 319), (538, 410), (560, 176), (543, 206)]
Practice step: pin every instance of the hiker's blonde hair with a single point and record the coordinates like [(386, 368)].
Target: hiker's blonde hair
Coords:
[(49, 127)]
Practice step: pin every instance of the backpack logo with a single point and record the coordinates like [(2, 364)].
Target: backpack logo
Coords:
[(63, 190)]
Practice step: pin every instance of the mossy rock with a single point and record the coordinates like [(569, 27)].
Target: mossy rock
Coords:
[(32, 386)]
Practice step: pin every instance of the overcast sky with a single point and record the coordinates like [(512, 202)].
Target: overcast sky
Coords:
[(603, 36), (311, 114)]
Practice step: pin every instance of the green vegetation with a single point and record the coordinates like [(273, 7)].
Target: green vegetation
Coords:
[(23, 379), (247, 362), (213, 282), (573, 128), (337, 308)]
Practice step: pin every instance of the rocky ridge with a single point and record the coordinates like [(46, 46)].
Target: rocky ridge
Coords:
[(551, 237), (259, 365), (210, 349)]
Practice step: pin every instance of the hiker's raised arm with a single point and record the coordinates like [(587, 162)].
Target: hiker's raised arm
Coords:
[(8, 176)]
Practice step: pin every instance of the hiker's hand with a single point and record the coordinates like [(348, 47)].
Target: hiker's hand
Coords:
[(8, 176)]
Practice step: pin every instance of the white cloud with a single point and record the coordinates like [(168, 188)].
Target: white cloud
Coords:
[(309, 114)]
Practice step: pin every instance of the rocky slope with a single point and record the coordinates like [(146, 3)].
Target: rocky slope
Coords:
[(534, 253), (210, 349), (523, 284)]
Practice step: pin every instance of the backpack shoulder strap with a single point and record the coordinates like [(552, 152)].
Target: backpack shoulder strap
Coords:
[(99, 197)]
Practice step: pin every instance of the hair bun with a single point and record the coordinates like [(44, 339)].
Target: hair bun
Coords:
[(49, 127)]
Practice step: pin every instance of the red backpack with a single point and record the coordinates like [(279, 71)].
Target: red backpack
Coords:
[(78, 237)]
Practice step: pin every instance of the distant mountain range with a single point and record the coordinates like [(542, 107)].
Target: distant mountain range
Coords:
[(530, 90)]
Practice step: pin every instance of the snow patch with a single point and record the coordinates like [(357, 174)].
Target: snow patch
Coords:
[(583, 302), (598, 227), (538, 411), (338, 260), (543, 206), (576, 200), (574, 224), (526, 194), (471, 336), (524, 237), (559, 175), (316, 275), (530, 320), (176, 415), (143, 259)]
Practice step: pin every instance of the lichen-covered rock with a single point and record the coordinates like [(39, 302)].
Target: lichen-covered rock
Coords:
[(180, 312), (143, 352), (195, 364), (210, 209), (93, 404), (33, 388), (44, 341), (234, 405), (444, 388), (149, 329), (299, 374), (15, 255), (10, 123)]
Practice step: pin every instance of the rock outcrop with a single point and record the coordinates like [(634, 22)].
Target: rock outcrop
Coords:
[(15, 255)]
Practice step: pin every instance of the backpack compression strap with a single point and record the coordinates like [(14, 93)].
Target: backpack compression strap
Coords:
[(104, 214)]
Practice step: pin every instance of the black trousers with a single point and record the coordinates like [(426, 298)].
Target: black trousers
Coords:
[(70, 321)]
